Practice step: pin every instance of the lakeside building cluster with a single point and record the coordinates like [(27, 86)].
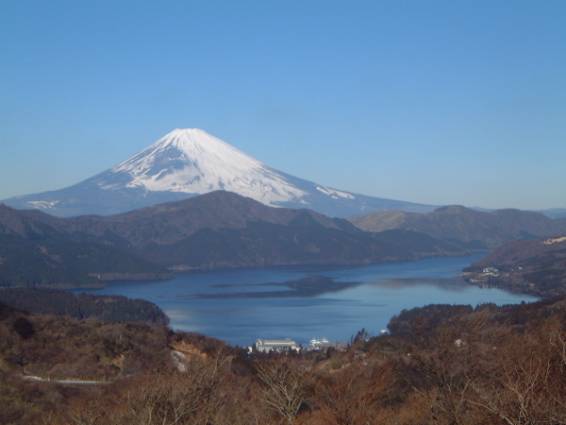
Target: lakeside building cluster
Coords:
[(288, 345)]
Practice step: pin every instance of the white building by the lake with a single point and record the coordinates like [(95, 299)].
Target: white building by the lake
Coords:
[(276, 345)]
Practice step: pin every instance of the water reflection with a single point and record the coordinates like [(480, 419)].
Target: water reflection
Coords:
[(455, 284)]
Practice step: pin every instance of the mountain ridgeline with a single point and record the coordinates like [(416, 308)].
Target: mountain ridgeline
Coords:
[(216, 230), (189, 162), (477, 229)]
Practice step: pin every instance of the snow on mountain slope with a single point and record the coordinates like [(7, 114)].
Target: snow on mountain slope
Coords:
[(192, 161), (189, 162)]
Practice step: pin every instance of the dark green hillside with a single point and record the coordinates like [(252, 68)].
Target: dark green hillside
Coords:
[(300, 242), (60, 261), (219, 229), (82, 306)]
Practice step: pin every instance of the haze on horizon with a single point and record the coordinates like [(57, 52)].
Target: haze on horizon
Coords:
[(438, 102)]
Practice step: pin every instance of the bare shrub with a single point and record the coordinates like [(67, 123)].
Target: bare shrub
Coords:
[(283, 388)]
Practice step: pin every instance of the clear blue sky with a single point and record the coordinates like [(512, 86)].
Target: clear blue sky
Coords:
[(430, 101)]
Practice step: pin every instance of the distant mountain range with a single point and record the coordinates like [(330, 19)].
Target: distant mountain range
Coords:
[(189, 162), (216, 230), (479, 229)]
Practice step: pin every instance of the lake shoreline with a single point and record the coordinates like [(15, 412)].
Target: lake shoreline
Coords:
[(106, 279), (239, 306)]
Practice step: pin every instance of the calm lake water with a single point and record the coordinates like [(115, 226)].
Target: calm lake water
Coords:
[(257, 305)]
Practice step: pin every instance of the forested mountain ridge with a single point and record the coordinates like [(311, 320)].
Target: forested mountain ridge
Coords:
[(215, 230)]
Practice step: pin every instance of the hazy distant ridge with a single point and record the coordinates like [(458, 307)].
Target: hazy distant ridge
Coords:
[(476, 228)]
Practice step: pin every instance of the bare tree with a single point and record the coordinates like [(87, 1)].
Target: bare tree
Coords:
[(558, 340), (284, 389), (520, 393), (178, 399)]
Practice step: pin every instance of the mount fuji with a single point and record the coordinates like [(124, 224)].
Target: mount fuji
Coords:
[(190, 162)]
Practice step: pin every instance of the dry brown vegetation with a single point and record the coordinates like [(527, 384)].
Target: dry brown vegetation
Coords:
[(441, 365)]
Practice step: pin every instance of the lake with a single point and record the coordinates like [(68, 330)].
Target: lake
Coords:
[(239, 306)]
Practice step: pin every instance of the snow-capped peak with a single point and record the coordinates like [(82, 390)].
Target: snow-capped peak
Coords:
[(193, 161), (198, 144), (185, 138), (187, 162)]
